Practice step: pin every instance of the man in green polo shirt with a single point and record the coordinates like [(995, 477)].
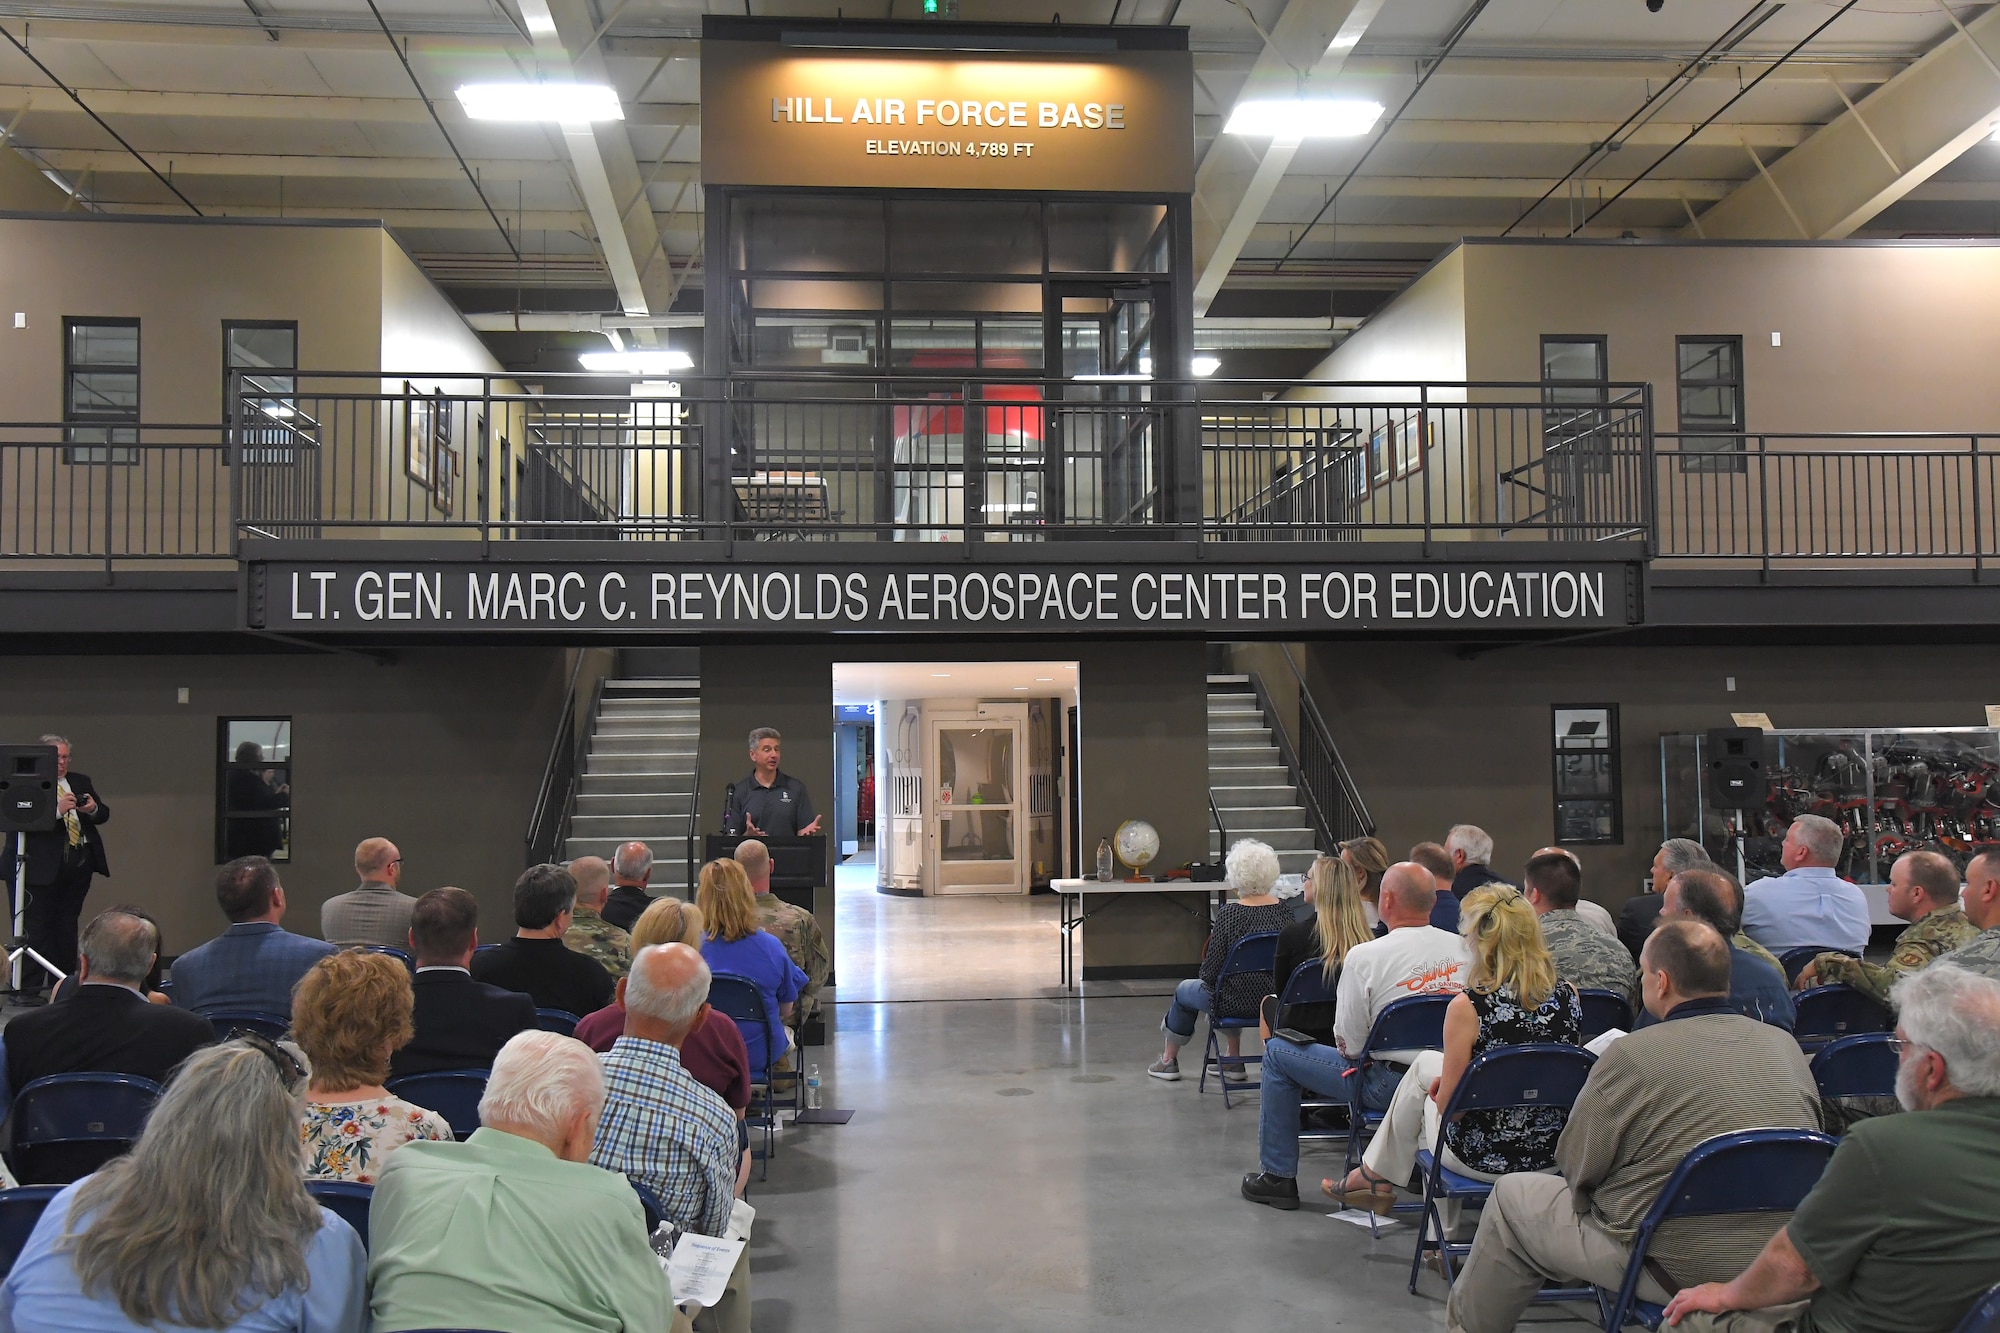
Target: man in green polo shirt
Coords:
[(1901, 1235)]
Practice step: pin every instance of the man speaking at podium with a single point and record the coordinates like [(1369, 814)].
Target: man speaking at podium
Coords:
[(769, 803)]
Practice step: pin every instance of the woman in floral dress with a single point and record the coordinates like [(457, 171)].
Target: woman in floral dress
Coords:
[(349, 1014)]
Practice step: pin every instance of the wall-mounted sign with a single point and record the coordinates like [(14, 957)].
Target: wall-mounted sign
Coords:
[(1184, 597), (1103, 121)]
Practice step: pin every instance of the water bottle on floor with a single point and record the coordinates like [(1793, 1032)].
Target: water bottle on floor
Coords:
[(812, 1087)]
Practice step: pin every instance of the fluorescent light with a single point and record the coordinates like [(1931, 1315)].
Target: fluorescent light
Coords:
[(1306, 118), (1996, 131), (637, 362), (568, 102), (1204, 366)]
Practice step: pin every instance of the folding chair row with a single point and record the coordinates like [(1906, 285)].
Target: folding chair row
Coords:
[(1252, 953)]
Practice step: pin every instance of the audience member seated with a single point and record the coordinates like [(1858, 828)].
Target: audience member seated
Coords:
[(1898, 1234), (514, 1229), (255, 963), (459, 1023), (107, 1026), (631, 867), (152, 987), (1333, 890), (589, 933), (352, 1011), (1923, 890), (1594, 915), (1512, 997), (1808, 904), (536, 961), (1414, 958), (1756, 987), (1433, 857), (661, 1127), (1641, 912), (1470, 848), (1981, 899), (1586, 957), (735, 945), (791, 925), (375, 911), (1252, 870), (1651, 1097), (205, 1224)]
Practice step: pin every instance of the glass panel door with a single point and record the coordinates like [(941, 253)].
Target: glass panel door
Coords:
[(976, 824)]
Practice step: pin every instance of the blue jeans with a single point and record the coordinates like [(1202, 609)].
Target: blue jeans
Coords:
[(1289, 1072), (1190, 1002)]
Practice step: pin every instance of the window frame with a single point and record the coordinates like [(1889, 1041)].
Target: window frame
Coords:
[(1733, 459), (276, 444), (1615, 767), (108, 452), (225, 765)]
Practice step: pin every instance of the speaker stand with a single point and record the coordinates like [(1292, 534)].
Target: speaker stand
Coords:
[(21, 950), (1742, 832)]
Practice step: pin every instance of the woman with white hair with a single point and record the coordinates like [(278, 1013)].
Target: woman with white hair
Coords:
[(1252, 868), (205, 1224)]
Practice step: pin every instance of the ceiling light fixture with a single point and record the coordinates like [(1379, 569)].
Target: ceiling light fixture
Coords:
[(941, 675), (1204, 366), (638, 361), (570, 103), (1305, 118)]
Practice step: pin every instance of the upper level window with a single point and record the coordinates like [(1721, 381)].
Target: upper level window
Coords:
[(260, 360), (1710, 398), (253, 788), (101, 390), (1574, 426)]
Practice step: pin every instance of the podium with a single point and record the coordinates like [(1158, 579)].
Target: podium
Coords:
[(798, 865)]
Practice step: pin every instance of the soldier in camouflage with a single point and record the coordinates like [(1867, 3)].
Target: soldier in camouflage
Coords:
[(1585, 956), (589, 933), (1982, 909), (794, 927), (1923, 890)]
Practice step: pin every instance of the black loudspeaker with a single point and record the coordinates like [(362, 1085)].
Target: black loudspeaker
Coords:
[(1735, 768), (27, 789)]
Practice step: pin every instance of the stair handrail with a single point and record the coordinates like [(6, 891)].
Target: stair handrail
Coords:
[(1324, 837), (694, 813), (1312, 724), (1215, 817), (563, 743), (555, 798)]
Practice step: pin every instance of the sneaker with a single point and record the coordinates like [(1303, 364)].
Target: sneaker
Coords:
[(1168, 1070), (1273, 1191), (1236, 1073)]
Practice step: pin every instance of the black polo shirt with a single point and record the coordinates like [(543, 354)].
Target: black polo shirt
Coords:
[(781, 809)]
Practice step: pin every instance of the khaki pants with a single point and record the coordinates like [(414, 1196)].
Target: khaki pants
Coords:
[(1777, 1319), (1530, 1233), (732, 1313)]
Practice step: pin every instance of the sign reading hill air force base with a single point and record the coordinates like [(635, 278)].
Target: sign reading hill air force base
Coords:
[(1111, 120), (1171, 598)]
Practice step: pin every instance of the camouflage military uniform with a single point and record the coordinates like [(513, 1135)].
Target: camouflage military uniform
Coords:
[(591, 934), (1917, 948), (1589, 959), (800, 934), (1982, 955), (1748, 945)]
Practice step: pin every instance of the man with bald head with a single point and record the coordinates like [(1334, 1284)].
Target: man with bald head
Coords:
[(375, 911), (1981, 899), (1923, 890), (791, 925), (1412, 958), (631, 867), (589, 933), (1809, 904)]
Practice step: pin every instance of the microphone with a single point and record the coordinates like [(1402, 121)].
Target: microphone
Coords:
[(728, 805)]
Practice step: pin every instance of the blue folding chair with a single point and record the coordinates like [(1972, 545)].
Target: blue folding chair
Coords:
[(1414, 1023), (557, 1020), (452, 1093), (347, 1200), (1863, 1065), (1984, 1316), (1749, 1171), (1604, 1010), (1308, 985), (1540, 1075), (739, 998), (1827, 1013), (1252, 953), (68, 1125), (228, 1022), (20, 1209), (401, 955), (1794, 960)]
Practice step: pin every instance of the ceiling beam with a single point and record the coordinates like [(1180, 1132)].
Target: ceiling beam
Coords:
[(1875, 152), (300, 166), (42, 100)]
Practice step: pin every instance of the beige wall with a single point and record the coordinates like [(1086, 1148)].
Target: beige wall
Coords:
[(1419, 335), (23, 188), (422, 330)]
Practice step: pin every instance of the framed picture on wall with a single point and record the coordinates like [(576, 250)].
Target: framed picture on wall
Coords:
[(1410, 446), (1381, 450), (417, 413)]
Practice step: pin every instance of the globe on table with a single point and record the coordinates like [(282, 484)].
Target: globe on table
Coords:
[(1136, 843)]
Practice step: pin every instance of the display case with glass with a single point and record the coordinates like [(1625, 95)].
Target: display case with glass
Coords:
[(1892, 789)]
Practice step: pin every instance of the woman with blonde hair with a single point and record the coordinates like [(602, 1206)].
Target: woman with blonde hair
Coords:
[(1370, 859), (1512, 998), (1333, 888), (350, 1013), (734, 945), (205, 1224)]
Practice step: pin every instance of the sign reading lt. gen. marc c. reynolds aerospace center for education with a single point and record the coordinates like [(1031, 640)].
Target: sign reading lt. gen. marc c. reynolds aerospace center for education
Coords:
[(1169, 597)]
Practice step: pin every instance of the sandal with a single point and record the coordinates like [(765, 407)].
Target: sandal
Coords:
[(1369, 1199)]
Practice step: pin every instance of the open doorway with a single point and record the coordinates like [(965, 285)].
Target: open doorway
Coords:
[(965, 795)]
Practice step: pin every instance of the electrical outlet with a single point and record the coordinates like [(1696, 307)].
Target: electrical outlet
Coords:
[(1729, 683), (182, 695), (20, 319), (1776, 338)]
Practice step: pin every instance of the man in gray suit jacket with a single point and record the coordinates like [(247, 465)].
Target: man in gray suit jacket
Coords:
[(255, 963), (374, 912)]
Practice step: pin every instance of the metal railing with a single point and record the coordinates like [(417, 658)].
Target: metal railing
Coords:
[(1332, 798), (1755, 499), (555, 796), (138, 492)]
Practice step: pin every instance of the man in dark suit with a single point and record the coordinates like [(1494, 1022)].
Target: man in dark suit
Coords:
[(255, 963), (536, 960), (1641, 912), (107, 1025), (460, 1023), (60, 866)]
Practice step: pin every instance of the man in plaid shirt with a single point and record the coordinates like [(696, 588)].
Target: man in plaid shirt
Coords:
[(660, 1127)]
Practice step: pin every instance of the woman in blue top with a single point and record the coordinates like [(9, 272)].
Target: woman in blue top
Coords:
[(205, 1224), (736, 947)]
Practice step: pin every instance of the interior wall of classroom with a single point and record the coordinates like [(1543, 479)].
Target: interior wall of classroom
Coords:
[(440, 750)]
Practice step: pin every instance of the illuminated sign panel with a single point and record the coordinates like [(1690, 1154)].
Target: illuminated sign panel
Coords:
[(1119, 121)]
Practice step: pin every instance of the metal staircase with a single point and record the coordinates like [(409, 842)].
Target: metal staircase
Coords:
[(639, 776), (1249, 782)]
